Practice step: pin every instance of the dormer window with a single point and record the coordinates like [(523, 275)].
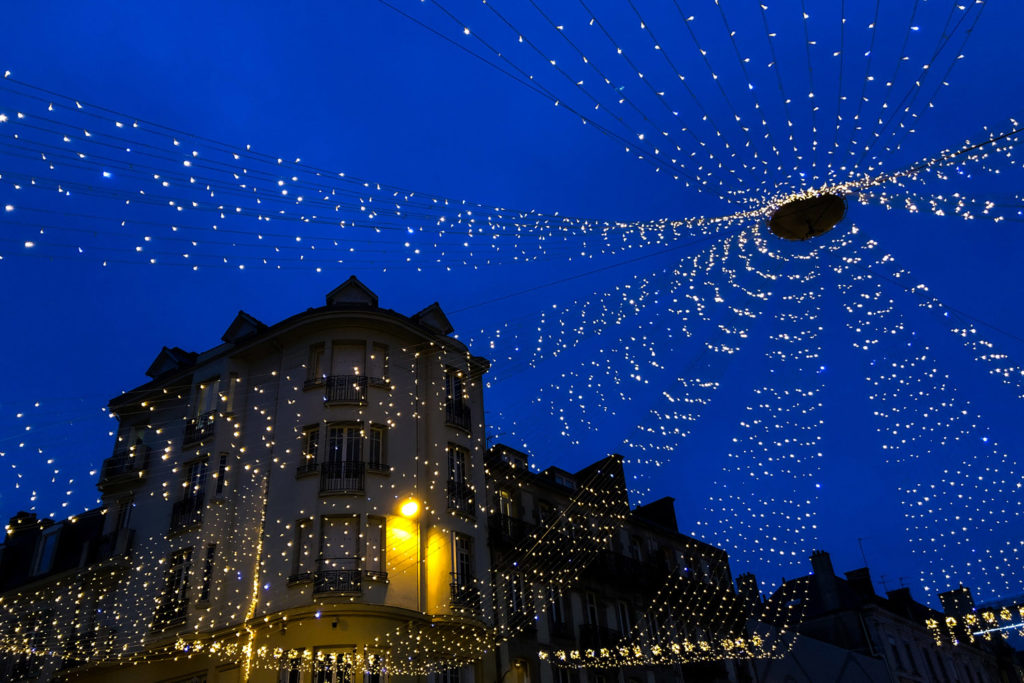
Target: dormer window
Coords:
[(47, 550)]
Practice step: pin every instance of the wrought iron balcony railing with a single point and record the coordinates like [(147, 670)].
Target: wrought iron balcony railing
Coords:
[(509, 530), (345, 389), (342, 477), (124, 465), (113, 545), (458, 414), (465, 594), (594, 637), (200, 427), (337, 575), (460, 498), (185, 513), (308, 466), (378, 467)]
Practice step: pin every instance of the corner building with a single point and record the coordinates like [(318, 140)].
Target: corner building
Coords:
[(300, 504)]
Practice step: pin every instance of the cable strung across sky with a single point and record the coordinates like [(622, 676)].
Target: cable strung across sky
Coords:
[(782, 348)]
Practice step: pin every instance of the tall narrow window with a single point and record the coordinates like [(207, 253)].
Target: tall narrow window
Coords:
[(207, 397), (348, 359), (302, 551), (557, 615), (229, 393), (314, 366), (462, 560), (310, 444), (124, 513), (339, 543), (174, 600), (204, 593), (375, 459), (376, 545), (47, 549), (460, 495), (222, 473), (377, 368), (456, 412), (196, 482), (456, 464), (593, 613), (625, 623), (515, 594), (344, 443)]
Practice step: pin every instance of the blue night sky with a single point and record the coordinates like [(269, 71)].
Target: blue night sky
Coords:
[(357, 88)]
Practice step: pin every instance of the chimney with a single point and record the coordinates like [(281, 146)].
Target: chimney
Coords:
[(957, 602), (824, 580), (860, 581), (746, 587)]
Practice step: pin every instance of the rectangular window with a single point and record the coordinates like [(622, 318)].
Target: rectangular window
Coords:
[(453, 390), (207, 397), (377, 368), (375, 459), (593, 612), (376, 546), (195, 484), (222, 473), (314, 366), (204, 593), (174, 600), (456, 464), (333, 667), (302, 552), (344, 443), (462, 560), (636, 548), (47, 549), (557, 614), (625, 622), (310, 444), (348, 359), (506, 507), (515, 594), (447, 676), (124, 513), (456, 410), (229, 393), (339, 543)]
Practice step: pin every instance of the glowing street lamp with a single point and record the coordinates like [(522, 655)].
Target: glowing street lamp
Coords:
[(409, 508)]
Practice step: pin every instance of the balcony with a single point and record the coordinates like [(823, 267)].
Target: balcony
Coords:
[(110, 546), (506, 530), (309, 466), (124, 467), (378, 468), (342, 477), (338, 575), (200, 428), (345, 389), (186, 513), (595, 637), (465, 595), (460, 498), (560, 629), (170, 613), (458, 414), (645, 575)]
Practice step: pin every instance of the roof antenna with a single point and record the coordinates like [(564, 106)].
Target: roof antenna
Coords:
[(860, 544)]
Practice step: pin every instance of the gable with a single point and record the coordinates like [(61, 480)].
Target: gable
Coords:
[(433, 317), (352, 292), (167, 360), (242, 326)]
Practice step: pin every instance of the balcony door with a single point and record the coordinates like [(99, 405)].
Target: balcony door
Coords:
[(339, 544)]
